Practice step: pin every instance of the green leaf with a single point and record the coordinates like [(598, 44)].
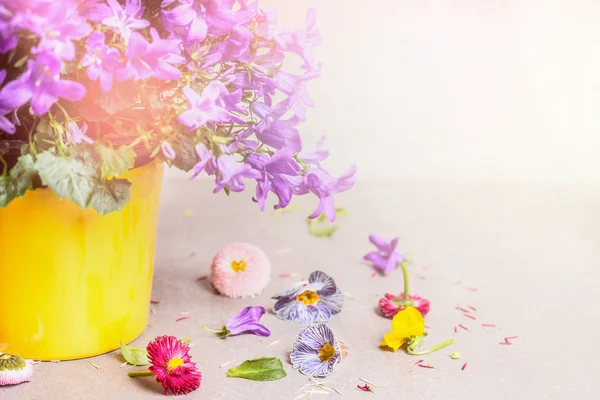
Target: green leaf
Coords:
[(260, 369), (111, 195), (18, 180), (70, 178), (185, 157), (115, 162), (134, 356)]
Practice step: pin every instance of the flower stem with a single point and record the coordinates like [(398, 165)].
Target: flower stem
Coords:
[(211, 330), (405, 273), (434, 348), (139, 374)]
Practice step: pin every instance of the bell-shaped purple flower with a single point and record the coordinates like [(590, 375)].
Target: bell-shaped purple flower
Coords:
[(247, 321), (386, 258), (122, 20), (42, 85)]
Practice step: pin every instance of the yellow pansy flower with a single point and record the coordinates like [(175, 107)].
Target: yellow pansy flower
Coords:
[(406, 324)]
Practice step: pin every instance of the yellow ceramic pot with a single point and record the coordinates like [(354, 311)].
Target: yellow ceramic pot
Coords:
[(73, 284)]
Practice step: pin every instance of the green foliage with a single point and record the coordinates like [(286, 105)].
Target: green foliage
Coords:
[(260, 369), (17, 181)]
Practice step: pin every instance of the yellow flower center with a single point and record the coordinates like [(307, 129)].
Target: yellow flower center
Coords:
[(174, 363), (238, 266), (308, 297), (326, 353)]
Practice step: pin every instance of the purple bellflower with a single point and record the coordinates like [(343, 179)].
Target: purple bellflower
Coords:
[(247, 321), (122, 20), (386, 258), (42, 85), (101, 61)]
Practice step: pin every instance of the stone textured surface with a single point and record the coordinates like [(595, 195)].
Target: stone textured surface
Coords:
[(532, 253)]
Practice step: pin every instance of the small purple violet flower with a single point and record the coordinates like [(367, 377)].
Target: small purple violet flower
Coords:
[(77, 135), (122, 20), (42, 85), (247, 321), (101, 61), (386, 258)]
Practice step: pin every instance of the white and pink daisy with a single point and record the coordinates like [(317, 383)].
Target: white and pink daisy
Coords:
[(14, 370), (240, 270)]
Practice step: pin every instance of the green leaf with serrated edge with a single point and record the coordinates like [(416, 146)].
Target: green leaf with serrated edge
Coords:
[(134, 356), (71, 178), (110, 195), (260, 369), (18, 180), (185, 157), (115, 162)]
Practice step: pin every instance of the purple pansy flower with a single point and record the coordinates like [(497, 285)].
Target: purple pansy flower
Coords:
[(386, 258), (101, 61), (277, 174), (323, 185), (156, 59), (203, 108), (316, 351), (122, 20), (314, 302), (77, 135), (42, 84), (275, 132), (247, 321)]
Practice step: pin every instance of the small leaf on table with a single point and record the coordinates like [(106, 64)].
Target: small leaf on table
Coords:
[(260, 369), (134, 356)]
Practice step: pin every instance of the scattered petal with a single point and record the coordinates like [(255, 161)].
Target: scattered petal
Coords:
[(463, 367)]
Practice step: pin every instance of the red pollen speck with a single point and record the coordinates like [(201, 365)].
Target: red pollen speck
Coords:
[(511, 337), (418, 362), (374, 274), (183, 318), (192, 254), (203, 278), (463, 367), (472, 289), (464, 327), (469, 316), (489, 325), (426, 366), (472, 308), (455, 329), (462, 309), (154, 302)]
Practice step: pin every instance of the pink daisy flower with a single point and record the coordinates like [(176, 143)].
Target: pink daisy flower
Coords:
[(172, 365), (240, 270), (390, 305), (14, 370)]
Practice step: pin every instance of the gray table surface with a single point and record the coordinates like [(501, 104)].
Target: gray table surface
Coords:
[(531, 251)]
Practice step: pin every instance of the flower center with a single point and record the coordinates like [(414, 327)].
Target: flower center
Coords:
[(308, 297), (238, 266), (327, 352), (174, 363), (403, 303)]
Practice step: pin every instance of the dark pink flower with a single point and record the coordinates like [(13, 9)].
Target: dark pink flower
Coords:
[(390, 305), (172, 365)]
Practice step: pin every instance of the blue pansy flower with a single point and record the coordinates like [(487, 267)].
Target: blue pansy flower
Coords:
[(314, 302), (316, 351)]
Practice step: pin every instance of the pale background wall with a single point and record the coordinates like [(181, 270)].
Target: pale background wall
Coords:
[(457, 90)]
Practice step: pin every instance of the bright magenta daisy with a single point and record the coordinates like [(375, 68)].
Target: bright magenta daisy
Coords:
[(172, 365), (391, 305), (240, 270)]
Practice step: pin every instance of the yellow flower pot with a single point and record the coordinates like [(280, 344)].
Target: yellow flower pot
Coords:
[(73, 284)]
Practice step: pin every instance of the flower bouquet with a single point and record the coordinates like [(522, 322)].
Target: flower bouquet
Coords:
[(92, 92)]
